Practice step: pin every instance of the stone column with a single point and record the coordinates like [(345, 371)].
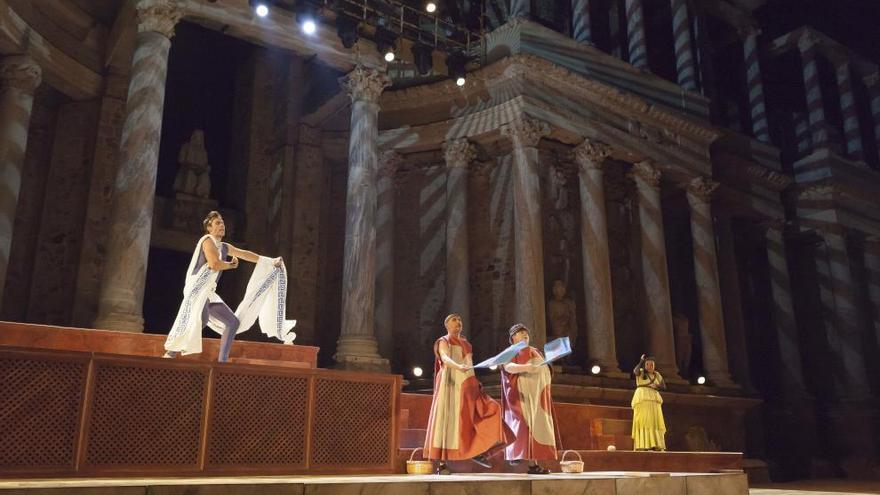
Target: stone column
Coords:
[(684, 49), (755, 85), (731, 300), (852, 134), (790, 364), (520, 8), (872, 83), (525, 134), (19, 78), (699, 196), (872, 263), (388, 163), (580, 22), (458, 154), (357, 347), (635, 33), (615, 34), (813, 89), (120, 304), (657, 302), (601, 348)]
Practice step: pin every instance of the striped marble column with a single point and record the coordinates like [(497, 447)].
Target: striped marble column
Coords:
[(389, 161), (872, 83), (601, 348), (813, 89), (684, 49), (872, 264), (712, 337), (357, 347), (580, 22), (852, 134), (755, 86), (524, 135), (657, 302), (19, 78), (120, 303), (458, 155), (520, 8), (790, 363), (615, 33), (635, 33)]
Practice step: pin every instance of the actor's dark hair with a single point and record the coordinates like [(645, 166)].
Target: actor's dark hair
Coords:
[(210, 218)]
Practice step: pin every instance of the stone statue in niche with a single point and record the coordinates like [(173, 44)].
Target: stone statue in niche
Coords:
[(193, 179), (683, 343), (562, 313), (561, 221)]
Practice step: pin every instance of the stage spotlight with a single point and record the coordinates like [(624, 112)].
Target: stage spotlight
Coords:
[(417, 372), (455, 64), (431, 7), (701, 380), (347, 29), (595, 369), (422, 57), (309, 26), (389, 54), (385, 41), (262, 10), (307, 18)]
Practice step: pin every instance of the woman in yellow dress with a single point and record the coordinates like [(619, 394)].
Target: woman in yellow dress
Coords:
[(648, 427)]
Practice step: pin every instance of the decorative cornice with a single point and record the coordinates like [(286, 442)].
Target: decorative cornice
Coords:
[(459, 153), (20, 72), (821, 192), (645, 172), (591, 154), (774, 180), (700, 190), (363, 84), (388, 163), (158, 16), (525, 132)]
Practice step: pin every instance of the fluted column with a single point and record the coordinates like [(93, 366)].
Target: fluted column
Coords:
[(458, 154), (684, 49), (790, 363), (19, 78), (357, 347), (872, 83), (120, 304), (658, 309), (635, 34), (388, 164), (714, 342), (601, 348), (872, 263), (580, 22), (813, 89), (852, 134), (525, 134), (755, 86)]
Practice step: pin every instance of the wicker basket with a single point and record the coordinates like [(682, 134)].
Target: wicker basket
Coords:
[(571, 466), (419, 467)]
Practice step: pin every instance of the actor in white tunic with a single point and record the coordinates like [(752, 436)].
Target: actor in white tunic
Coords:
[(265, 297)]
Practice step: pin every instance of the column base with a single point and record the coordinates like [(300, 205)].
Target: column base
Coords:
[(610, 369), (120, 322), (722, 381), (360, 354)]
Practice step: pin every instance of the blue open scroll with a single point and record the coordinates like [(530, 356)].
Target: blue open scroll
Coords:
[(556, 349), (503, 357)]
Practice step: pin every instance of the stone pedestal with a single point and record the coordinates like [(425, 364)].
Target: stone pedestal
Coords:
[(458, 155), (597, 265), (699, 194), (120, 305), (657, 303), (19, 78), (388, 163), (357, 347), (525, 134)]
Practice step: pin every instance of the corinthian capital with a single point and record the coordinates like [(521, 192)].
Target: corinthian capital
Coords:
[(20, 72), (158, 16), (525, 132), (389, 161), (700, 189), (365, 84), (459, 153), (646, 172), (591, 154)]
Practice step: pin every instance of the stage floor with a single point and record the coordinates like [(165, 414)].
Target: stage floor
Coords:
[(593, 483)]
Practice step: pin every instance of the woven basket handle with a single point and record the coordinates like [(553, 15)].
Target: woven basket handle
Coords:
[(575, 453), (414, 453)]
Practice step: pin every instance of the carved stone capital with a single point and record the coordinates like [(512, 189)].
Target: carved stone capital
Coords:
[(459, 153), (700, 189), (646, 172), (20, 72), (821, 192), (158, 16), (526, 132), (591, 154), (363, 84), (388, 163)]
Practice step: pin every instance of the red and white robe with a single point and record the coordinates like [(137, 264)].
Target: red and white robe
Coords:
[(528, 409), (464, 422)]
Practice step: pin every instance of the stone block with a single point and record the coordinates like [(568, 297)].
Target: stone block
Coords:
[(222, 489), (667, 485), (574, 486), (415, 488), (474, 487), (717, 484)]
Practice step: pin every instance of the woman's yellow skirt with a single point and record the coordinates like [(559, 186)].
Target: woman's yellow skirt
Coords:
[(648, 429)]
